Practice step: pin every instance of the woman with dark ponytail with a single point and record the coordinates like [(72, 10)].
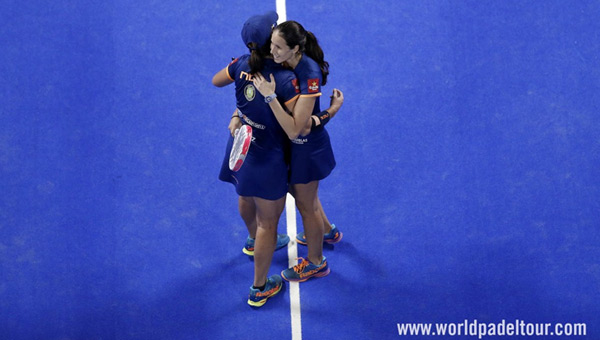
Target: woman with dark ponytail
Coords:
[(311, 154)]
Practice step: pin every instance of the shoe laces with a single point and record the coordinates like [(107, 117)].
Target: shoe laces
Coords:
[(300, 266)]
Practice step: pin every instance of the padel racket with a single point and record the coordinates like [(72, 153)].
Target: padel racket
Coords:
[(239, 150)]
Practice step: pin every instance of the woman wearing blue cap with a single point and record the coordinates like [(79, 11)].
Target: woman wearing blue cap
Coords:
[(263, 179)]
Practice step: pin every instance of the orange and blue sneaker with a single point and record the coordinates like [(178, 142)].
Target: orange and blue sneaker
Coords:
[(282, 241), (258, 297), (305, 270), (334, 236)]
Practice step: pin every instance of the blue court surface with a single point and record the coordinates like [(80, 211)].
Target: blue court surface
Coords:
[(467, 184)]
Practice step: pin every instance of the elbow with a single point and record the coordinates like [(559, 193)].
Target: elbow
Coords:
[(297, 133), (219, 81), (293, 135)]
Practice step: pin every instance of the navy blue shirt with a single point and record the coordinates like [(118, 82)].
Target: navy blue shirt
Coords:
[(266, 130), (309, 80)]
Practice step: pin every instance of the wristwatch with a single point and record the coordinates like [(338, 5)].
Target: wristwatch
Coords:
[(270, 98)]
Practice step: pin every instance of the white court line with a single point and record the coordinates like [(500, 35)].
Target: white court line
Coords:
[(294, 287), (281, 11), (290, 220)]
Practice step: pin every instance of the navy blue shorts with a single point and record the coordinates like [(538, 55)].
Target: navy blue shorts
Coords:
[(311, 157), (263, 174)]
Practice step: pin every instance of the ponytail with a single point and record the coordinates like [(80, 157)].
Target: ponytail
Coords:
[(258, 55), (313, 50)]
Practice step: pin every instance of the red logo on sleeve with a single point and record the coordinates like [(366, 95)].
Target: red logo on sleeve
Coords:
[(313, 85), (296, 86), (233, 61)]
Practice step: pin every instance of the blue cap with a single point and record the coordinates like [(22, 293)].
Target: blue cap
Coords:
[(257, 29)]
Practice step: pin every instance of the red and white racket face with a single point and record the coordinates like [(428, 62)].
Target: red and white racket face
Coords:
[(239, 150)]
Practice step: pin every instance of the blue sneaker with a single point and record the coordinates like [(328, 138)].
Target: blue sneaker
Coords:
[(334, 236), (257, 297), (282, 241), (305, 270)]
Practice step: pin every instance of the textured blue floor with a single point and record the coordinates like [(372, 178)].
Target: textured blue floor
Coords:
[(468, 150)]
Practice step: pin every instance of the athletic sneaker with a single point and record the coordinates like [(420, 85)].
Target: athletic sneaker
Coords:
[(257, 297), (333, 236), (305, 270), (282, 241)]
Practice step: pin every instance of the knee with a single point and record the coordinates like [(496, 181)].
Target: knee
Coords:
[(306, 207), (266, 224)]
